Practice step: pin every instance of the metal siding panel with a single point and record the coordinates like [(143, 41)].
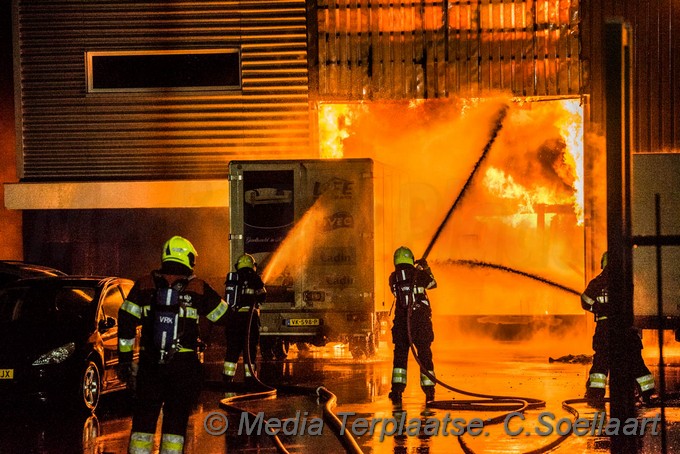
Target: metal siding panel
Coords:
[(70, 134), (674, 44), (642, 36), (415, 50), (665, 72), (653, 86), (655, 26)]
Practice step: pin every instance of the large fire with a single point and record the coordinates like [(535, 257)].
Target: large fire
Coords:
[(335, 126), (523, 209)]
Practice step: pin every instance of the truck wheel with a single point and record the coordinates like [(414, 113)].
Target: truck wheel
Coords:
[(273, 348), (358, 347), (302, 346), (281, 349), (267, 348), (372, 345)]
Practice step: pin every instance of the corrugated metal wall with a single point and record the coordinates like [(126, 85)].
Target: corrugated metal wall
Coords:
[(383, 49), (67, 133), (656, 68), (364, 49), (656, 92)]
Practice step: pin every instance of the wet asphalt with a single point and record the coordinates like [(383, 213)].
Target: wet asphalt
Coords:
[(361, 387)]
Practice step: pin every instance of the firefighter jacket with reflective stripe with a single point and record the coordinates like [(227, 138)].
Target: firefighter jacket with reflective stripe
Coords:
[(244, 288), (595, 298), (409, 285), (197, 298)]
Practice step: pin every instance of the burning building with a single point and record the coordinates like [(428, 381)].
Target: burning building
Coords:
[(128, 113)]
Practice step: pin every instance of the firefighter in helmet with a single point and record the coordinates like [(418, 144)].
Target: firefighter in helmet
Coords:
[(167, 303), (409, 283), (595, 299), (244, 292)]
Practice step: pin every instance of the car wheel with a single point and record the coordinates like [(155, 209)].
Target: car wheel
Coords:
[(90, 387), (91, 430)]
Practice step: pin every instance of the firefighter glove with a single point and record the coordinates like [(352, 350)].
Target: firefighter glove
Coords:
[(422, 264)]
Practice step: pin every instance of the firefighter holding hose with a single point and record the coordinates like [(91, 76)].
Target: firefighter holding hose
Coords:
[(409, 283), (244, 292), (595, 299)]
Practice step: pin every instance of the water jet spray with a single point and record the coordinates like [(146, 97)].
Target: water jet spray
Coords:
[(494, 133), (478, 263)]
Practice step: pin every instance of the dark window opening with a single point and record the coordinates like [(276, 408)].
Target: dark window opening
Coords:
[(195, 70)]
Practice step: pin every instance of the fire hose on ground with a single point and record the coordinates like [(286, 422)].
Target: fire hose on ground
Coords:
[(489, 402), (320, 393)]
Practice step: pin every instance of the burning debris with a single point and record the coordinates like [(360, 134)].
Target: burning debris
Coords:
[(572, 359)]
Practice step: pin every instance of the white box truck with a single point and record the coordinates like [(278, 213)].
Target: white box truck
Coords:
[(317, 230), (656, 174)]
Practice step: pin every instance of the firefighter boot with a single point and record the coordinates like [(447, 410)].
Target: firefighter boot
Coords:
[(648, 398), (595, 397), (429, 394), (395, 397)]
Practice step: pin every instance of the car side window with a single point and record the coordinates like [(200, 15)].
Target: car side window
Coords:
[(125, 287), (112, 302)]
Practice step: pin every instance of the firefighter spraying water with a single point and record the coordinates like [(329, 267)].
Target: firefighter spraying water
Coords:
[(409, 283), (244, 292), (315, 228)]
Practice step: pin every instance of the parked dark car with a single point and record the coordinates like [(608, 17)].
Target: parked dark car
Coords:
[(59, 338), (13, 270)]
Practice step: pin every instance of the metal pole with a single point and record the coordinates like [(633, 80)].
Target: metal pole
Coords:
[(660, 321), (617, 69)]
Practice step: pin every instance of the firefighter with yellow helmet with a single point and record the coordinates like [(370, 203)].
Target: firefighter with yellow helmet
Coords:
[(244, 291), (595, 299), (409, 283), (167, 304)]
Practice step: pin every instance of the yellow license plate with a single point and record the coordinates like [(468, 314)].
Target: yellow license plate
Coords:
[(302, 322), (6, 374)]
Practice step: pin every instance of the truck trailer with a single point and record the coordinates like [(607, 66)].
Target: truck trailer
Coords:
[(317, 229)]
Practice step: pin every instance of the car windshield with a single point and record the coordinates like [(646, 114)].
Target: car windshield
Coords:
[(41, 302)]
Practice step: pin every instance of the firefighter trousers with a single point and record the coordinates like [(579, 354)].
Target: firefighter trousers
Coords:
[(422, 335), (173, 387), (236, 331), (597, 377)]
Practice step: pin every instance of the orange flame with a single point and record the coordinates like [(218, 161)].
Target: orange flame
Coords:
[(503, 185), (336, 121), (333, 122), (571, 129)]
